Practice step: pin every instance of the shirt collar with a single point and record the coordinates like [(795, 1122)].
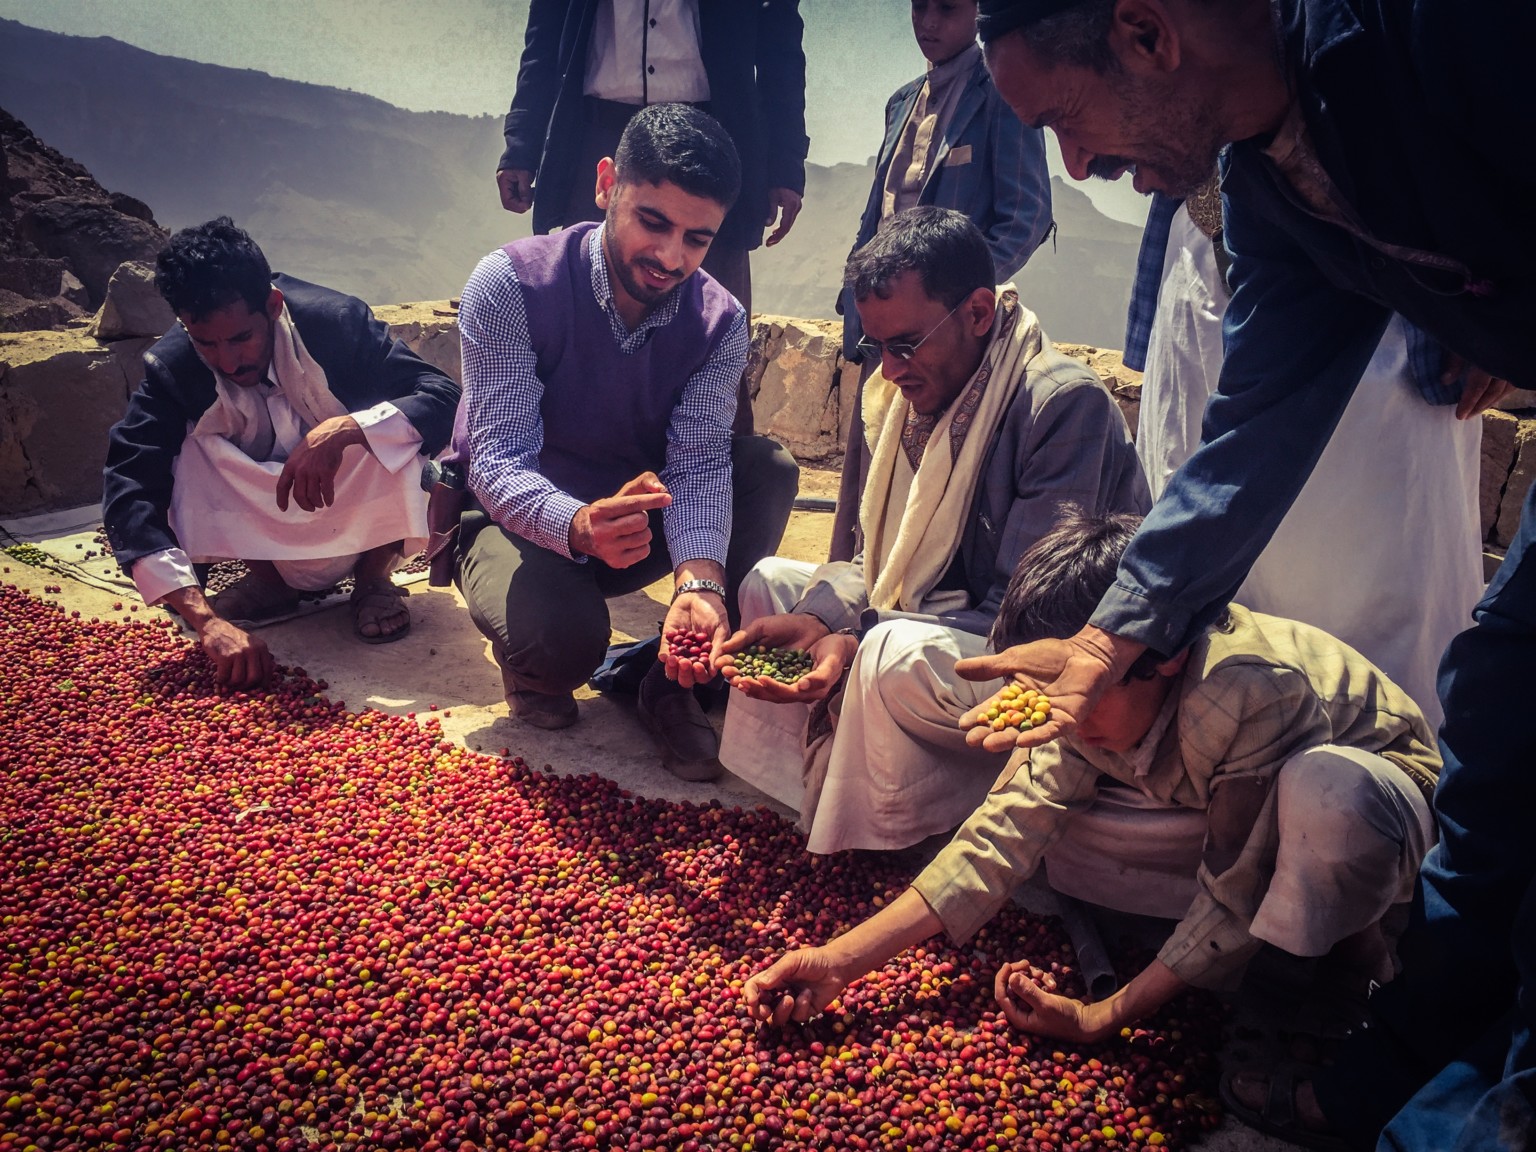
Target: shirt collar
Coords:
[(940, 75), (602, 288)]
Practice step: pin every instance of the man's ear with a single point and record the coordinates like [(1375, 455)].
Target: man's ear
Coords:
[(274, 305), (979, 310), (607, 179), (1173, 665), (1144, 36)]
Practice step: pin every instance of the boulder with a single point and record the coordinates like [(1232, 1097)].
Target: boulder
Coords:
[(60, 393), (62, 235), (1521, 474), (1500, 431), (802, 389), (133, 306), (430, 329)]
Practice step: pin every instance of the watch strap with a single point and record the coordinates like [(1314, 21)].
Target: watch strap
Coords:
[(700, 585)]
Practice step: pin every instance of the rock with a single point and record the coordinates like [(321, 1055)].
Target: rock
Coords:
[(430, 329), (133, 307), (1498, 457), (1123, 383), (62, 235), (803, 391), (92, 237), (60, 393), (1518, 483)]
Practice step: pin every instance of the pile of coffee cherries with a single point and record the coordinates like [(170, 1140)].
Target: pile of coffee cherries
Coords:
[(1017, 707), (257, 921), (688, 644), (786, 665)]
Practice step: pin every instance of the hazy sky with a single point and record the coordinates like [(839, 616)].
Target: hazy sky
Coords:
[(461, 55)]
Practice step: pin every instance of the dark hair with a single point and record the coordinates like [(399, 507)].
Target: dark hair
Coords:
[(210, 266), (1058, 583), (946, 250), (1077, 35), (677, 143)]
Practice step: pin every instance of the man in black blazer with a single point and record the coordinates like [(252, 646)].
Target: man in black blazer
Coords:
[(587, 65), (236, 446)]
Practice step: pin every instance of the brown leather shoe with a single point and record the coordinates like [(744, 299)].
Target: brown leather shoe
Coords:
[(551, 710), (544, 709), (686, 739)]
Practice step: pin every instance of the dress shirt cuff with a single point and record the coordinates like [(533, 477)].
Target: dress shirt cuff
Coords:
[(1134, 615), (1210, 947), (556, 513), (393, 440), (696, 542), (822, 601), (158, 574)]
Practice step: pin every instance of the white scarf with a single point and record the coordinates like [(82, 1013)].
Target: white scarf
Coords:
[(908, 549), (270, 427)]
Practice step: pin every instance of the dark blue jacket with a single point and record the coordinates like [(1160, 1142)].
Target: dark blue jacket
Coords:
[(363, 366), (1421, 114), (989, 166), (756, 68)]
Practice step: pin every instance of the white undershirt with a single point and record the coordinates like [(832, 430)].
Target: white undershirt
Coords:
[(646, 52)]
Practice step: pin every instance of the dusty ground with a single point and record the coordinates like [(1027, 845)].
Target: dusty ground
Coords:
[(445, 663)]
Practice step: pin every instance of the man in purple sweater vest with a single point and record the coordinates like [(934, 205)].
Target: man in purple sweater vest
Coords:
[(600, 382)]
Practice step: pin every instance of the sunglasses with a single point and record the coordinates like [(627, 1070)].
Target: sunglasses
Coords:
[(897, 348)]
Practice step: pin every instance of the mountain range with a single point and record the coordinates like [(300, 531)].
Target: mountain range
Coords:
[(392, 205)]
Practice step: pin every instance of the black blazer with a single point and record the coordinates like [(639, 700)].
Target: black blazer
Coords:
[(363, 365), (756, 68)]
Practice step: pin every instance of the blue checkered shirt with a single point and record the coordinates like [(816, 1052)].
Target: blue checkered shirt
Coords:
[(502, 392)]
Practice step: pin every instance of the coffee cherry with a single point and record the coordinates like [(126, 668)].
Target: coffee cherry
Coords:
[(254, 920), (786, 665), (688, 644), (1016, 707)]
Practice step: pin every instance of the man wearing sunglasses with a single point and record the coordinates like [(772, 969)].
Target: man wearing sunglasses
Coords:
[(979, 433)]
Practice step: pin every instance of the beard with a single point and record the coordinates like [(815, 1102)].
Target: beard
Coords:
[(1178, 143), (629, 274)]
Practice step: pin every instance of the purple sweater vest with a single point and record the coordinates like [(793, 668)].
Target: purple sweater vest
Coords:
[(605, 413)]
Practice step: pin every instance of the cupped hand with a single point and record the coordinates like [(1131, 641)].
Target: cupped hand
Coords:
[(798, 986), (240, 660), (694, 612), (1072, 673), (617, 528), (830, 656), (783, 203), (798, 631)]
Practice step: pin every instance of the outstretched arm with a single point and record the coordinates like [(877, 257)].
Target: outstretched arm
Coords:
[(802, 983)]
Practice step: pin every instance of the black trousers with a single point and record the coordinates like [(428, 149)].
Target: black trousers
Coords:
[(547, 616)]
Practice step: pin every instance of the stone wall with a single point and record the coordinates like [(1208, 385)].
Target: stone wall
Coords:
[(61, 391)]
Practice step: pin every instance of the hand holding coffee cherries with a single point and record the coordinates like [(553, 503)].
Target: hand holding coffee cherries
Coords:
[(827, 653), (691, 635)]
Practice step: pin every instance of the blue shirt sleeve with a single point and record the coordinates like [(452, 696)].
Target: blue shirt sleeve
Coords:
[(502, 392), (1296, 347)]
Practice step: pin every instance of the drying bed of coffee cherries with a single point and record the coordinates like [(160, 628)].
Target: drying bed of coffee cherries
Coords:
[(226, 572), (261, 921)]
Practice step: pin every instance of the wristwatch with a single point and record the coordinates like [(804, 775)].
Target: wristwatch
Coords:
[(699, 586)]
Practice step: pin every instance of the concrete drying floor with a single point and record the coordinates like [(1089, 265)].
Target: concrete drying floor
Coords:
[(444, 661)]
